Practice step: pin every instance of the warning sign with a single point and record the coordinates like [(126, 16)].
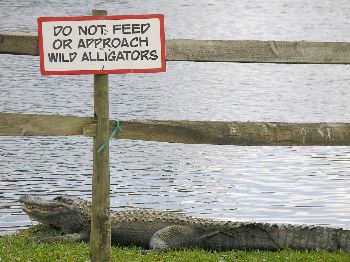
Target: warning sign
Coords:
[(101, 45)]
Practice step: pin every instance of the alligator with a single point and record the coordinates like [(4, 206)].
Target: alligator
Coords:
[(165, 230)]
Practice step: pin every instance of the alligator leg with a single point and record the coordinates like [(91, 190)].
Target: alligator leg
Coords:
[(173, 237), (76, 237), (179, 237)]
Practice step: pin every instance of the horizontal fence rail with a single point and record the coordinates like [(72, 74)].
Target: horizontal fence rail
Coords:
[(189, 132), (243, 51)]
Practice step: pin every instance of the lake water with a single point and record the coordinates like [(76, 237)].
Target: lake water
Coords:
[(273, 184)]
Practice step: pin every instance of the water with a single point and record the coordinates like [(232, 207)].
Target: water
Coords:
[(274, 184)]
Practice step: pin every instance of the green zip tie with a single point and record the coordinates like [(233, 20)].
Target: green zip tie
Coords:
[(117, 129)]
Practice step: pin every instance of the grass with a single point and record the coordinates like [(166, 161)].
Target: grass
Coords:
[(24, 246)]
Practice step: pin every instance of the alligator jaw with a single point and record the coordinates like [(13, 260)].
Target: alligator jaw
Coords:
[(69, 214), (38, 208)]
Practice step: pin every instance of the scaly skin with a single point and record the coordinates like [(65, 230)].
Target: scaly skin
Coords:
[(160, 230)]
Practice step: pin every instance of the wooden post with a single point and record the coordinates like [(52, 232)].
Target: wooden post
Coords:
[(100, 236)]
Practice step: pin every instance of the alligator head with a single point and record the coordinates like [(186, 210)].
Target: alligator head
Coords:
[(69, 214)]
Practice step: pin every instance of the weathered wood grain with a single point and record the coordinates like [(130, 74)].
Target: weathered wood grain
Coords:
[(100, 234), (189, 132), (244, 51), (253, 51), (19, 44), (12, 124), (239, 133)]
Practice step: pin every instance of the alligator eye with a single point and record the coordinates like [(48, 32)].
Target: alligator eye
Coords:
[(59, 198), (64, 199)]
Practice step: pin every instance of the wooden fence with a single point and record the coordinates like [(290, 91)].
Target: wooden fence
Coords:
[(193, 132), (190, 132), (244, 51)]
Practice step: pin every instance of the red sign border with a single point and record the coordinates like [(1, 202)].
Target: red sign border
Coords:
[(44, 72)]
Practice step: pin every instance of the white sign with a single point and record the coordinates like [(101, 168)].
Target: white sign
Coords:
[(101, 45)]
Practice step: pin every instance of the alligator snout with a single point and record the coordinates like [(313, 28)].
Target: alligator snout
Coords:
[(38, 201)]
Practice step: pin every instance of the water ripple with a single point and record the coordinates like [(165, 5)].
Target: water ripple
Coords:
[(279, 184)]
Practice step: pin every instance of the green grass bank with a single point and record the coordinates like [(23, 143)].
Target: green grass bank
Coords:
[(24, 246)]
